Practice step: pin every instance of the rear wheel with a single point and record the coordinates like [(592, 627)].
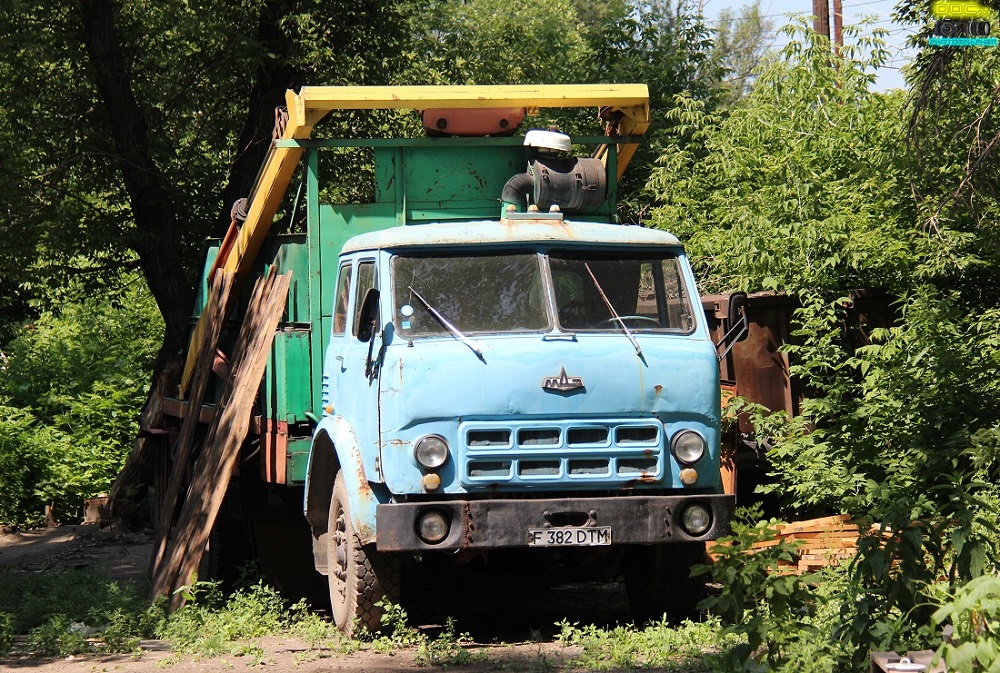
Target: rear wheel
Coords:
[(658, 581), (359, 575)]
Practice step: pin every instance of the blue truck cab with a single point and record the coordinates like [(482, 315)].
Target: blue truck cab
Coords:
[(530, 382)]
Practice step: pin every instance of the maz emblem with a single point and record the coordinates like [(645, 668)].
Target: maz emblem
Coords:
[(562, 383)]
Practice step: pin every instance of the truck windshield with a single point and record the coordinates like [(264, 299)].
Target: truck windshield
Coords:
[(646, 292), (483, 294)]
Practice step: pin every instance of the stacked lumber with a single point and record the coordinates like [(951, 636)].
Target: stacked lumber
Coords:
[(821, 542), (177, 556)]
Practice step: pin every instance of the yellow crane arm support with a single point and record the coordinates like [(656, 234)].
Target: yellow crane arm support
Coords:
[(312, 103)]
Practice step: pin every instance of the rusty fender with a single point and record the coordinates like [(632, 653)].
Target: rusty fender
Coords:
[(486, 524), (359, 477)]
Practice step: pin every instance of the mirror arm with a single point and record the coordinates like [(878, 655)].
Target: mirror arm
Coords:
[(739, 329)]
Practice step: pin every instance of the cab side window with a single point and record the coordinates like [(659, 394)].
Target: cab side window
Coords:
[(340, 306), (366, 281)]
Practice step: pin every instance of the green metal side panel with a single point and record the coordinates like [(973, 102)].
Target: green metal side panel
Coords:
[(445, 180), (297, 461), (337, 224), (445, 183), (287, 388), (292, 254), (280, 254), (210, 253)]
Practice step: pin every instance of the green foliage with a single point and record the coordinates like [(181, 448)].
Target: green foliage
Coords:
[(659, 646), (22, 465), (210, 624), (896, 434), (499, 42), (795, 186), (6, 632), (739, 45), (60, 611), (808, 186), (774, 621), (974, 613), (73, 384), (668, 47)]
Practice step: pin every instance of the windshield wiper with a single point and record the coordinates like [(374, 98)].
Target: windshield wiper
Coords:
[(614, 314), (454, 331)]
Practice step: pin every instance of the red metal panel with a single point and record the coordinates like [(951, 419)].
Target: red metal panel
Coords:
[(274, 449)]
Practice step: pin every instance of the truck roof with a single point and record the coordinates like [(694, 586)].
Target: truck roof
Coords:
[(507, 231)]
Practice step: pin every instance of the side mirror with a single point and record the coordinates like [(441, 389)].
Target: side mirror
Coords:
[(737, 322), (368, 316), (738, 316)]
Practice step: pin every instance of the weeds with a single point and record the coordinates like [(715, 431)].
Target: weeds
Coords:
[(448, 649), (691, 646), (210, 624), (72, 612), (80, 612)]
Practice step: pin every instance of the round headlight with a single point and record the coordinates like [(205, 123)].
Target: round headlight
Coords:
[(688, 447), (696, 519), (431, 452), (432, 526)]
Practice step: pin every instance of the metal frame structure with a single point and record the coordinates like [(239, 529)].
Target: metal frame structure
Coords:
[(625, 107)]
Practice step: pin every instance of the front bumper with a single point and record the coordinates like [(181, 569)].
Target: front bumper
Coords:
[(490, 524)]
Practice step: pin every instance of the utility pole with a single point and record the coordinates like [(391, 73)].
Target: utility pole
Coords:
[(821, 22), (838, 27), (821, 17)]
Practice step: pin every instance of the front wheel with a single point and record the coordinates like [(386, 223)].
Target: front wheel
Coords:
[(658, 581), (359, 575)]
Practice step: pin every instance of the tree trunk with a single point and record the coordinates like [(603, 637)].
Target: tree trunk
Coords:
[(157, 230), (272, 78)]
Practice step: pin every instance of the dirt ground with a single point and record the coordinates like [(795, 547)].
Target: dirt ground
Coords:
[(491, 619)]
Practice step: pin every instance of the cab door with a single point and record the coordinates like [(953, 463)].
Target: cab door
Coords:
[(354, 383)]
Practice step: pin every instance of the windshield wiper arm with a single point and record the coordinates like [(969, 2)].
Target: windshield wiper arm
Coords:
[(454, 331), (614, 314)]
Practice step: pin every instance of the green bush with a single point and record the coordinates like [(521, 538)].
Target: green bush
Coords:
[(60, 610), (73, 386), (6, 632), (58, 636), (809, 187), (974, 613), (774, 621)]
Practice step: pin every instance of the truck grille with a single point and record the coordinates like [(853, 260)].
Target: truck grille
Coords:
[(548, 452)]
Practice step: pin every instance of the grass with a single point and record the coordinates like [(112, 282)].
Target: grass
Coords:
[(72, 612), (80, 611), (689, 647)]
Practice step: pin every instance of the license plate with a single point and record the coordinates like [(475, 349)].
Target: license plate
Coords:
[(584, 536)]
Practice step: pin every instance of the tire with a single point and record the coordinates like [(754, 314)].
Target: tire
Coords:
[(658, 581), (359, 575)]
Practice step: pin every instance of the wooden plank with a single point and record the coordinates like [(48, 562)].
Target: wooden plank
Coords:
[(180, 409), (217, 462), (814, 525), (215, 317)]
